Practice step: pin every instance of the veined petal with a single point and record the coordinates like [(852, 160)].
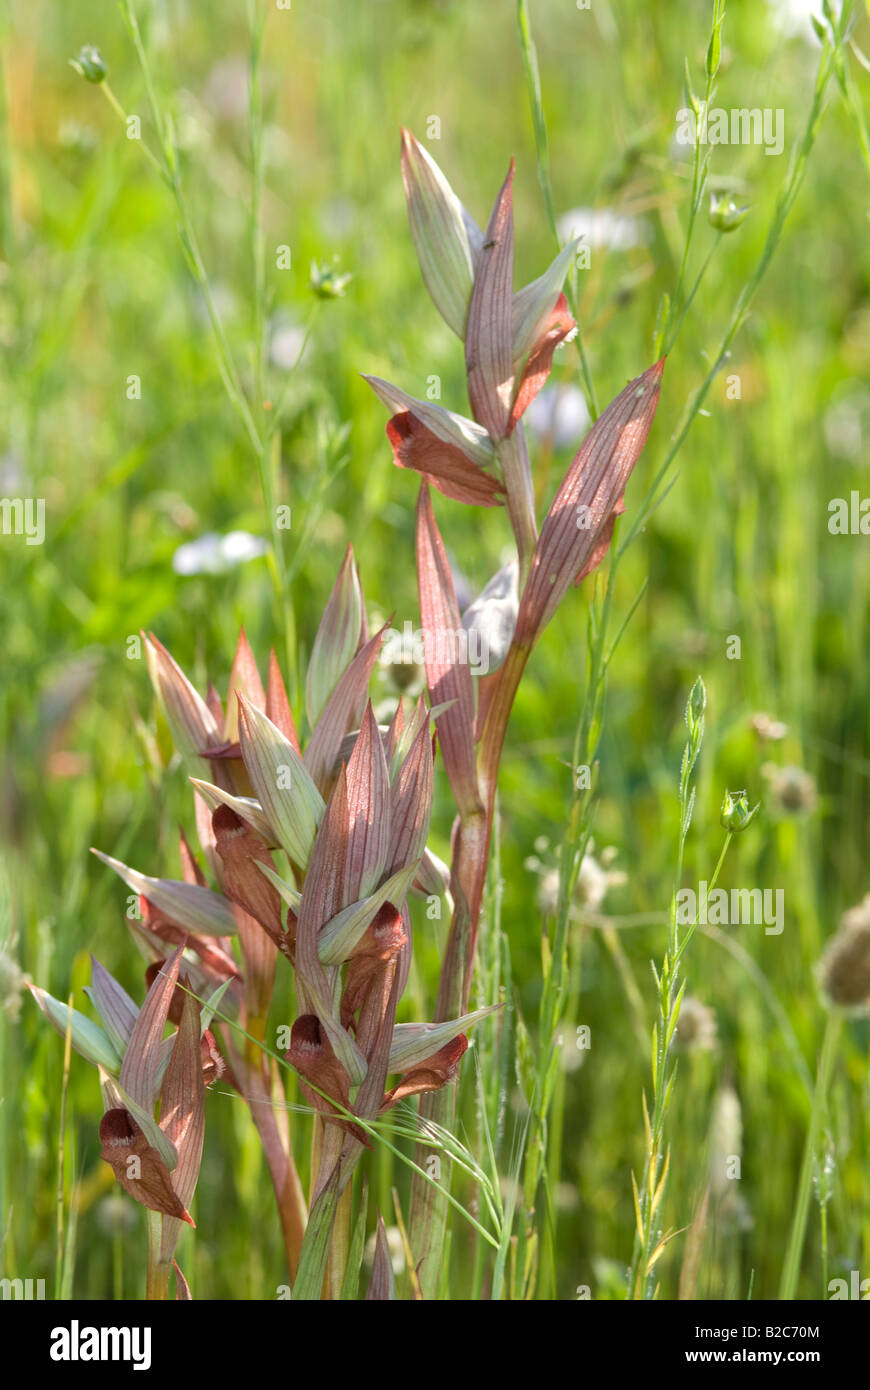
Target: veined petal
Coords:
[(312, 1056), (368, 808), (122, 1139), (446, 237), (448, 678), (465, 435), (343, 712), (382, 1284), (558, 327), (245, 807), (182, 1109), (278, 706), (489, 334), (584, 504), (411, 795), (431, 1075), (406, 733), (290, 800), (414, 1043), (260, 906), (142, 1057), (116, 1009), (337, 640), (186, 904), (534, 304), (190, 721), (602, 544), (337, 939), (145, 1117), (446, 467), (244, 679), (87, 1037), (322, 899)]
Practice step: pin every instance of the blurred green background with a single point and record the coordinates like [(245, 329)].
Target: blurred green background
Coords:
[(94, 289)]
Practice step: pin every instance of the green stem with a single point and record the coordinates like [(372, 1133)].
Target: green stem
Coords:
[(542, 145), (700, 167), (157, 1275), (791, 1267), (784, 203)]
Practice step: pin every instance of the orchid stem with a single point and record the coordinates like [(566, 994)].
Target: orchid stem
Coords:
[(468, 880), (158, 1271)]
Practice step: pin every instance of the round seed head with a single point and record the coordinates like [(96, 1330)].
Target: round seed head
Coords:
[(844, 969)]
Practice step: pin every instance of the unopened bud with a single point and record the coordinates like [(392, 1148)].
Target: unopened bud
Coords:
[(724, 213), (326, 282), (697, 700), (735, 814), (90, 64)]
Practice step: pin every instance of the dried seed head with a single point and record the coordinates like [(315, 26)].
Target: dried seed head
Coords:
[(406, 675), (696, 1029), (844, 969), (593, 883), (726, 1140), (766, 728), (792, 790)]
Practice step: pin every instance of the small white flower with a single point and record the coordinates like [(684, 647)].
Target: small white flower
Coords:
[(766, 728), (847, 422), (12, 476), (286, 343), (602, 227), (226, 88), (792, 17), (559, 414), (214, 554)]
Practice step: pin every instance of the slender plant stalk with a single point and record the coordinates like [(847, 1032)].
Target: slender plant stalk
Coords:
[(542, 146), (784, 203), (794, 1250), (601, 611), (649, 1194), (261, 422), (158, 1271), (61, 1151), (289, 1195), (265, 440), (473, 835), (700, 172)]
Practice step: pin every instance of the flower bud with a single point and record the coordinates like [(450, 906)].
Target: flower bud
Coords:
[(697, 703), (735, 814), (326, 282), (90, 64), (724, 213)]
